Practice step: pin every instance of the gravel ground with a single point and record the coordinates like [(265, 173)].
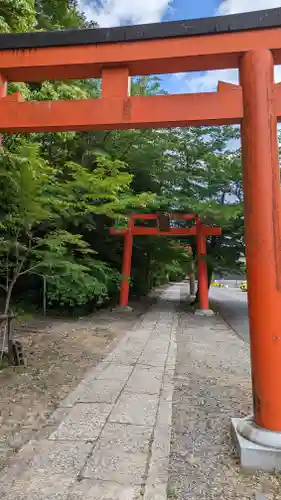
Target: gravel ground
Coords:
[(212, 384)]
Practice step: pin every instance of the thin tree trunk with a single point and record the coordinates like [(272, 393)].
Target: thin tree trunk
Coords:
[(44, 295), (192, 284), (9, 295), (6, 341)]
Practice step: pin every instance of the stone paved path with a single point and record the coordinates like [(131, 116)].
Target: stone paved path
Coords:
[(110, 439)]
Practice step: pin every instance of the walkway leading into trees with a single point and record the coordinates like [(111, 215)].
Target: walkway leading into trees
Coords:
[(111, 438)]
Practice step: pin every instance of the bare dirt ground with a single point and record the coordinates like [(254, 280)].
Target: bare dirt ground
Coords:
[(57, 352)]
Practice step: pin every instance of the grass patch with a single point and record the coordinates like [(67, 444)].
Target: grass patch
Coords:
[(172, 493)]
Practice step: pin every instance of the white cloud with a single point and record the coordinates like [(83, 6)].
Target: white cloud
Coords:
[(118, 12), (236, 6), (208, 81)]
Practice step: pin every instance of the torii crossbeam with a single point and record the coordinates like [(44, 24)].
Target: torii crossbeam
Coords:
[(198, 230)]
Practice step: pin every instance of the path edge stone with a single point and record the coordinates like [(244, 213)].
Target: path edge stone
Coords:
[(158, 471)]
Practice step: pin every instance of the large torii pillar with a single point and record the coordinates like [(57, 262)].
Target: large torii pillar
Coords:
[(191, 275), (202, 271), (259, 437), (126, 266)]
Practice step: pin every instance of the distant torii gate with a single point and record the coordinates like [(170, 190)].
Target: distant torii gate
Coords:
[(199, 230)]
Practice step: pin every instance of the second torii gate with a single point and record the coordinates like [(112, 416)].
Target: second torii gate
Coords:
[(199, 230)]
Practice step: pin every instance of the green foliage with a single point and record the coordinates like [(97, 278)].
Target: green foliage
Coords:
[(38, 202), (57, 14), (79, 284), (19, 15)]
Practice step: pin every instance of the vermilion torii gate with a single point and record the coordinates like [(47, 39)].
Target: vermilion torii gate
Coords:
[(200, 231), (250, 42)]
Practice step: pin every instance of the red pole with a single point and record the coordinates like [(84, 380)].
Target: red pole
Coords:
[(126, 269), (3, 93), (262, 231), (191, 274), (202, 269)]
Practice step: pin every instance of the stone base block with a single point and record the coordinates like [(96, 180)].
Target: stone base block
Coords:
[(204, 312), (122, 309), (255, 456)]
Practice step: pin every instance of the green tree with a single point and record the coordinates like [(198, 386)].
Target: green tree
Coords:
[(17, 16), (37, 202)]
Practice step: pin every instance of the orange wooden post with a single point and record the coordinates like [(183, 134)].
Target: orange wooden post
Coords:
[(126, 269), (202, 269), (3, 86), (262, 232), (3, 93), (115, 82), (191, 274)]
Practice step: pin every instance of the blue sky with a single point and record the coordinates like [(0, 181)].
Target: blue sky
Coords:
[(184, 9), (190, 9), (119, 12)]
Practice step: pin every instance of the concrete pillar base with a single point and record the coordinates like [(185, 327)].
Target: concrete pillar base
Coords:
[(122, 309), (204, 312), (258, 449)]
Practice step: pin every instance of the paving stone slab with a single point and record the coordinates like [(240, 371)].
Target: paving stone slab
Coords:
[(153, 358), (116, 466), (158, 341), (138, 409), (159, 469), (144, 380), (167, 391), (94, 372), (126, 437), (171, 359), (164, 416), (145, 328), (38, 487), (156, 491), (84, 422), (100, 391), (45, 432), (70, 400), (57, 416), (20, 463), (129, 357), (162, 440), (158, 472), (115, 372), (165, 322), (60, 458), (98, 490)]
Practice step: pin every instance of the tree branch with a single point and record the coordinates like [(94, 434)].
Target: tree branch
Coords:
[(29, 269)]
